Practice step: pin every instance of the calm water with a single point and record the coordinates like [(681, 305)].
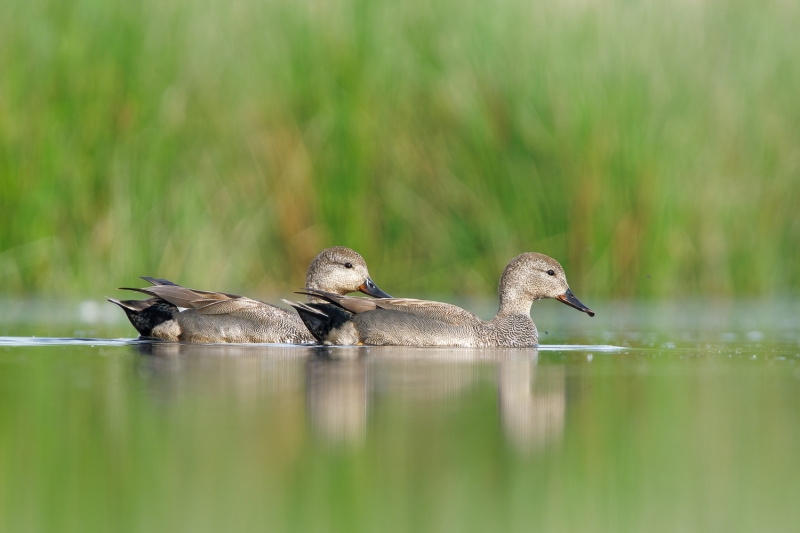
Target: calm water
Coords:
[(691, 424)]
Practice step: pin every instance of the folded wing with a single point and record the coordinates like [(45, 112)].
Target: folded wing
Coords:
[(442, 312), (204, 302)]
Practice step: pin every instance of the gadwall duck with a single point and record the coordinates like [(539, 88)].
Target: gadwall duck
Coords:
[(404, 322), (222, 317)]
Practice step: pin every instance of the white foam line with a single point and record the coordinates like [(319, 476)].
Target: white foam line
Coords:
[(67, 341), (63, 341), (581, 348)]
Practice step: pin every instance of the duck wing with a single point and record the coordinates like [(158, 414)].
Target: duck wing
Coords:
[(232, 306), (439, 311), (204, 302)]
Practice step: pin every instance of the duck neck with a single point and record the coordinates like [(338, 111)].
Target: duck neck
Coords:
[(514, 304), (514, 299), (313, 283)]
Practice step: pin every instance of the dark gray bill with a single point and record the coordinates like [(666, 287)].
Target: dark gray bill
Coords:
[(569, 299), (369, 287)]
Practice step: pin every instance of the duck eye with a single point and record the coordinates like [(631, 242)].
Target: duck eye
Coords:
[(551, 272), (348, 265)]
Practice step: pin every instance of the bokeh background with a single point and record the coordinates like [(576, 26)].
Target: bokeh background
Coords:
[(652, 147)]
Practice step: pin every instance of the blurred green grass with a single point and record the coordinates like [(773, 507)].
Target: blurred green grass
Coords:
[(652, 148)]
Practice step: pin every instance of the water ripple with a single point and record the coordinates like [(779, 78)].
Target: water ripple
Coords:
[(73, 341), (65, 341)]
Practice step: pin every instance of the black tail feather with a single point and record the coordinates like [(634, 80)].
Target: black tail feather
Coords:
[(321, 318), (158, 281), (145, 315)]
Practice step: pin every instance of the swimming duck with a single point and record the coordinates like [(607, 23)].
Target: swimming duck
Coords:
[(338, 319), (222, 317)]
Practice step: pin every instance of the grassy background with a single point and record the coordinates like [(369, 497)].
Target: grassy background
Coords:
[(652, 149)]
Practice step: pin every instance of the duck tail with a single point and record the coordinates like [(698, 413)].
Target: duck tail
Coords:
[(321, 318), (145, 315), (159, 281)]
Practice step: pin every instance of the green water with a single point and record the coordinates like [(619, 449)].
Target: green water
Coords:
[(690, 425)]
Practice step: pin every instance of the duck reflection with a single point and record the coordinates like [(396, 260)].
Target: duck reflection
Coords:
[(336, 396), (532, 403), (244, 373), (341, 386)]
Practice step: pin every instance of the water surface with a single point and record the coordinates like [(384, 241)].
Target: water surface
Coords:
[(690, 424)]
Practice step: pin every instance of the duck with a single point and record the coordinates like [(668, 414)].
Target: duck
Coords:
[(335, 319), (176, 313)]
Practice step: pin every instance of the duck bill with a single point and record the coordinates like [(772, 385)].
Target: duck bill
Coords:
[(569, 299), (369, 287)]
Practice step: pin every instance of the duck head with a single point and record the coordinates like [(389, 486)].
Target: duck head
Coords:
[(532, 276), (341, 270)]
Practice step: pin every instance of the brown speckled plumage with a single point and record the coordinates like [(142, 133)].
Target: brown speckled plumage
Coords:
[(405, 322), (210, 317)]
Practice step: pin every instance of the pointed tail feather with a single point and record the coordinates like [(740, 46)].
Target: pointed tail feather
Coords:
[(132, 305), (143, 291), (145, 315), (305, 307), (350, 304), (174, 294), (157, 281), (161, 282), (323, 295)]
